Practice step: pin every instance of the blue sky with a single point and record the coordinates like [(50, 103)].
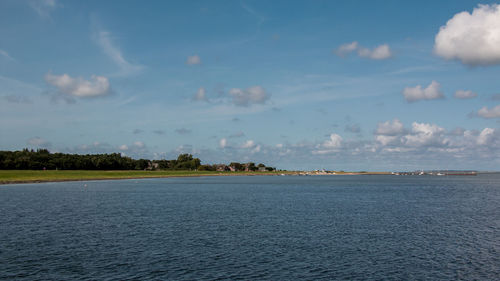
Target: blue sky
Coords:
[(345, 85)]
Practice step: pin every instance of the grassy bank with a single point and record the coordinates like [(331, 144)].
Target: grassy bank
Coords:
[(29, 176)]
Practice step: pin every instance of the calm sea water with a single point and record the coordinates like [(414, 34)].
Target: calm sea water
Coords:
[(253, 228)]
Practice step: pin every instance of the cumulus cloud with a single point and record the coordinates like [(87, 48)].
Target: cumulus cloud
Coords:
[(335, 141), (105, 41), (252, 95), (388, 140), (485, 112), (79, 87), (487, 136), (424, 134), (193, 60), (380, 52), (390, 128), (39, 142), (200, 95), (332, 145), (432, 92), (471, 38), (123, 147), (392, 133), (462, 94)]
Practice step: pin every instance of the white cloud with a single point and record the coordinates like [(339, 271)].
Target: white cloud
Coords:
[(346, 49), (389, 128), (252, 95), (123, 147), (5, 54), (200, 95), (485, 112), (193, 60), (335, 141), (425, 134), (106, 43), (388, 140), (486, 136), (380, 52), (248, 144), (331, 145), (462, 94), (471, 38), (79, 87), (222, 143), (432, 92), (43, 7)]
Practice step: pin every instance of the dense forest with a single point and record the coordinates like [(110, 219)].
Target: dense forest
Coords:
[(42, 159)]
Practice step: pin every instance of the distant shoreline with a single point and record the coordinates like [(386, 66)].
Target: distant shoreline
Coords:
[(40, 176)]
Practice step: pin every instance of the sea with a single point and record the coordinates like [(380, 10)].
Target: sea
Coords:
[(378, 227)]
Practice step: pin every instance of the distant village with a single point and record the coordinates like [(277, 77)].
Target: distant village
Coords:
[(232, 167), (437, 173)]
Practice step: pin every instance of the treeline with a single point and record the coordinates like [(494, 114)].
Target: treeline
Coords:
[(42, 159)]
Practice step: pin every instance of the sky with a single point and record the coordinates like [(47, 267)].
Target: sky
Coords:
[(336, 85)]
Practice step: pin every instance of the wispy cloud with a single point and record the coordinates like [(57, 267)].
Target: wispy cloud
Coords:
[(380, 52), (43, 7), (463, 94), (18, 99), (105, 41), (6, 55), (38, 142)]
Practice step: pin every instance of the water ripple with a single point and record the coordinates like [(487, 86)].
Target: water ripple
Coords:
[(253, 228)]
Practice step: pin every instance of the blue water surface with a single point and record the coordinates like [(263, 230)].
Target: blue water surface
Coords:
[(253, 228)]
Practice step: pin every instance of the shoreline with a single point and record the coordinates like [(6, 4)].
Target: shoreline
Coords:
[(180, 174), (38, 176)]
